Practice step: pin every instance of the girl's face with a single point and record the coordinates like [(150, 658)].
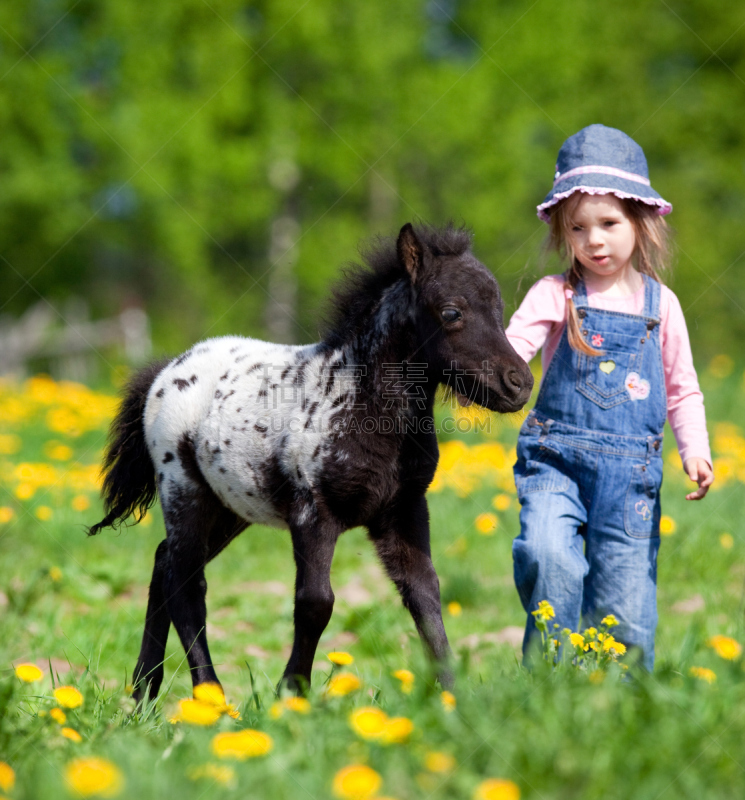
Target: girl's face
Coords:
[(601, 235)]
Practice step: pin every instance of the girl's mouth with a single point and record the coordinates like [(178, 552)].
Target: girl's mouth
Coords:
[(602, 260)]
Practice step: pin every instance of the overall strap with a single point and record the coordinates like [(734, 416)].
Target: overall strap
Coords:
[(652, 294), (580, 296)]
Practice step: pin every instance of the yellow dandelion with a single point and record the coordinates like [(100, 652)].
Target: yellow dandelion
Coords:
[(219, 773), (342, 684), (725, 647), (210, 693), (58, 715), (497, 789), (437, 761), (407, 679), (340, 658), (721, 366), (55, 574), (502, 502), (727, 540), (298, 705), (356, 782), (80, 502), (396, 731), (90, 776), (703, 674), (577, 639), (10, 444), (486, 524), (25, 491), (57, 451), (448, 701), (591, 633), (368, 722), (68, 696), (6, 514), (241, 745), (455, 609), (71, 734), (609, 621), (667, 525), (276, 710), (7, 777), (544, 611), (43, 513), (29, 673), (195, 712)]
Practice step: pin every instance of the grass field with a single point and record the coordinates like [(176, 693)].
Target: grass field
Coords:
[(74, 607)]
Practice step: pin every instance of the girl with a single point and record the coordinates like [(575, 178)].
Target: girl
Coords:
[(617, 362)]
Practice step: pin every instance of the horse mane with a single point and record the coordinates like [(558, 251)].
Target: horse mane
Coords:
[(358, 292)]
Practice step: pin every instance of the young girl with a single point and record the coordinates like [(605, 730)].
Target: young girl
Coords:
[(617, 362)]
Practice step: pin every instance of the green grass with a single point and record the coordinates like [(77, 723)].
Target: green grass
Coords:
[(554, 733)]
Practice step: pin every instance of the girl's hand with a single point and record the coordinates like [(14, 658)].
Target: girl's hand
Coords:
[(698, 470)]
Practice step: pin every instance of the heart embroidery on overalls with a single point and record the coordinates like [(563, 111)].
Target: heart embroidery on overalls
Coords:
[(607, 366), (637, 387), (642, 509)]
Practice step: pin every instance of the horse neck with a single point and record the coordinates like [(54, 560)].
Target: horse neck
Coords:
[(389, 348)]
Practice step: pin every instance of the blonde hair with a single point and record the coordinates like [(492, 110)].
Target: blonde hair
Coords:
[(651, 254)]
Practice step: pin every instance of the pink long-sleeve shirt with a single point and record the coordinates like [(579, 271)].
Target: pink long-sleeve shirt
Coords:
[(540, 322)]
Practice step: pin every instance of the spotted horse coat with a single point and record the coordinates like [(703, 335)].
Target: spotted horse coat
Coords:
[(316, 439)]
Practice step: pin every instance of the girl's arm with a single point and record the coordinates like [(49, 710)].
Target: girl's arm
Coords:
[(685, 402), (543, 308)]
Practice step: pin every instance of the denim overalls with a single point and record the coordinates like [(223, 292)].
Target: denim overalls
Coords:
[(588, 477)]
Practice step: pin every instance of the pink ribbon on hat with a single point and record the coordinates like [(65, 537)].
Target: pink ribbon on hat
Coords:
[(618, 173)]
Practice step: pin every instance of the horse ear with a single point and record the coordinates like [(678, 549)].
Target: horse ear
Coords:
[(410, 251)]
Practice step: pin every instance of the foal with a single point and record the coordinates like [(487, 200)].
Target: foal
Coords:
[(317, 438)]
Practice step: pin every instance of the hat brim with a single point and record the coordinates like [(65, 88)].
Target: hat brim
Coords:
[(603, 184)]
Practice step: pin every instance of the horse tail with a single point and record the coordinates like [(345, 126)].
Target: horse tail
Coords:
[(129, 475)]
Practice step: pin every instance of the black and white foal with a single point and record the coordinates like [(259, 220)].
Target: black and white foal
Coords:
[(317, 438)]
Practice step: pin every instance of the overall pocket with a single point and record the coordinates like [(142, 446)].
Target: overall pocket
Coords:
[(602, 379), (641, 513), (539, 469)]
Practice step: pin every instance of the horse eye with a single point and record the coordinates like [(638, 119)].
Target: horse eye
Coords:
[(450, 314)]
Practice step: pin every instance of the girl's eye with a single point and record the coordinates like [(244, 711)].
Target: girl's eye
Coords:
[(609, 223), (576, 228), (450, 314)]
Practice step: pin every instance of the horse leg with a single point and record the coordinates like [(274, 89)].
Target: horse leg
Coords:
[(148, 674), (401, 537), (314, 599)]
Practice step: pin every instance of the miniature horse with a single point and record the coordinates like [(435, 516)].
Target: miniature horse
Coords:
[(317, 438)]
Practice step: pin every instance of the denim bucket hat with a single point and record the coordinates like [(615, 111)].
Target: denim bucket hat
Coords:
[(600, 160)]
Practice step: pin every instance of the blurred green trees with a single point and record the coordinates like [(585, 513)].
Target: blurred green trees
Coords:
[(203, 156)]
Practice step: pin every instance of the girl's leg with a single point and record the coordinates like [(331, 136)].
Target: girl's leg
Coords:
[(623, 566), (548, 554)]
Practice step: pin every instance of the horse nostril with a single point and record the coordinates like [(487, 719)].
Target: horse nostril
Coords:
[(513, 380)]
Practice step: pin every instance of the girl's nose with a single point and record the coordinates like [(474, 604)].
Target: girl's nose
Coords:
[(594, 237)]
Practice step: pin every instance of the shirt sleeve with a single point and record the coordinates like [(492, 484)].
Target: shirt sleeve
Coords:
[(542, 309), (685, 401)]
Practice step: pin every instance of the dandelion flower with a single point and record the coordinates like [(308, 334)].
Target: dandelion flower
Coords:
[(299, 705), (577, 639), (591, 633), (727, 541), (396, 731), (340, 658), (55, 574), (71, 734), (80, 502), (502, 502), (609, 621), (448, 701), (6, 514), (486, 524), (211, 693), (58, 451), (342, 684), (545, 611), (43, 513), (667, 525), (356, 782), (455, 609), (725, 647), (68, 696), (368, 722), (219, 773), (29, 673), (10, 444), (241, 745), (195, 712), (7, 777), (497, 789), (90, 776), (703, 674), (58, 715), (437, 761), (25, 491), (407, 680)]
